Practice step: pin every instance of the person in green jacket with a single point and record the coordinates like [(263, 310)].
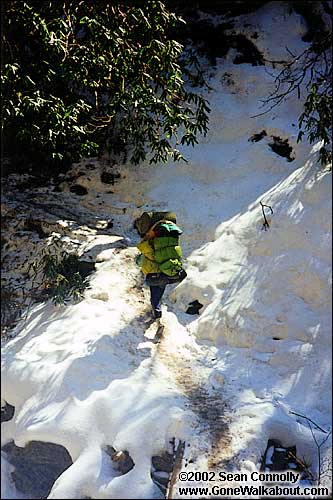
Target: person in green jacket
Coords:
[(161, 254)]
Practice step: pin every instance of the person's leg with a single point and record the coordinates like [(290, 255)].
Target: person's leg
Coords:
[(156, 294)]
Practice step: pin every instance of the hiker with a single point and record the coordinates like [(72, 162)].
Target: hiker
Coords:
[(161, 255)]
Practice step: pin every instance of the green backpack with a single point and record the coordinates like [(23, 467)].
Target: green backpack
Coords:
[(148, 219)]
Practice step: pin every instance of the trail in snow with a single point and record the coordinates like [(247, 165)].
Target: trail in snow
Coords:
[(209, 408), (186, 369), (178, 352)]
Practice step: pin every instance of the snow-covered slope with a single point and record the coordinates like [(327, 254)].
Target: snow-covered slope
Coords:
[(267, 298), (88, 376)]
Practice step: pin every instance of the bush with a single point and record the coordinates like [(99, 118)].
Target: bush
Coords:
[(61, 274), (81, 77)]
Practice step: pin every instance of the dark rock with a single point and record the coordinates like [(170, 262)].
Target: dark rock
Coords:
[(210, 41), (37, 466), (215, 41), (283, 458), (281, 147), (35, 226), (313, 19), (110, 450), (162, 481), (109, 177), (227, 79), (90, 166), (79, 190), (33, 182), (248, 52), (7, 412), (70, 178), (258, 137), (194, 307), (85, 268), (122, 461), (163, 462)]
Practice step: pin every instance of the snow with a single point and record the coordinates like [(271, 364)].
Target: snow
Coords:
[(88, 376), (269, 455)]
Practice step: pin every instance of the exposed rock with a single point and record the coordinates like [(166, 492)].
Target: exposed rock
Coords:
[(122, 462), (194, 307), (85, 268), (162, 467), (35, 226), (312, 13), (37, 466), (79, 190), (7, 412), (248, 52), (109, 177), (215, 41), (281, 147), (258, 137), (282, 458), (100, 296), (163, 462)]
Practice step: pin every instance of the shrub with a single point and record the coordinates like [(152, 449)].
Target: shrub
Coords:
[(82, 77), (60, 274)]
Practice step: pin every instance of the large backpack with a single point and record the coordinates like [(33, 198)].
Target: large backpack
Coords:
[(148, 219)]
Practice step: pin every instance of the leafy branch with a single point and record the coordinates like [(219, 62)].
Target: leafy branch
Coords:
[(79, 77)]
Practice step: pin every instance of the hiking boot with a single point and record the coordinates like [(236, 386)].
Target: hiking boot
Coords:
[(157, 314)]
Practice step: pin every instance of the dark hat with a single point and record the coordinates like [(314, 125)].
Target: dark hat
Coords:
[(143, 223)]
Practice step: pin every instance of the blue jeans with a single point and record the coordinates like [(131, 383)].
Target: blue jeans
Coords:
[(156, 294)]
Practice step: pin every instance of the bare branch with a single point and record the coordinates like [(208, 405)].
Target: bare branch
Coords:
[(265, 224), (309, 419)]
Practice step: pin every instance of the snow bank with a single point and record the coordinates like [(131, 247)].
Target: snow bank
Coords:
[(82, 377), (268, 306)]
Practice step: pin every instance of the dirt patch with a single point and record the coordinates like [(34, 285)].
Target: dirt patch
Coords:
[(208, 406)]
